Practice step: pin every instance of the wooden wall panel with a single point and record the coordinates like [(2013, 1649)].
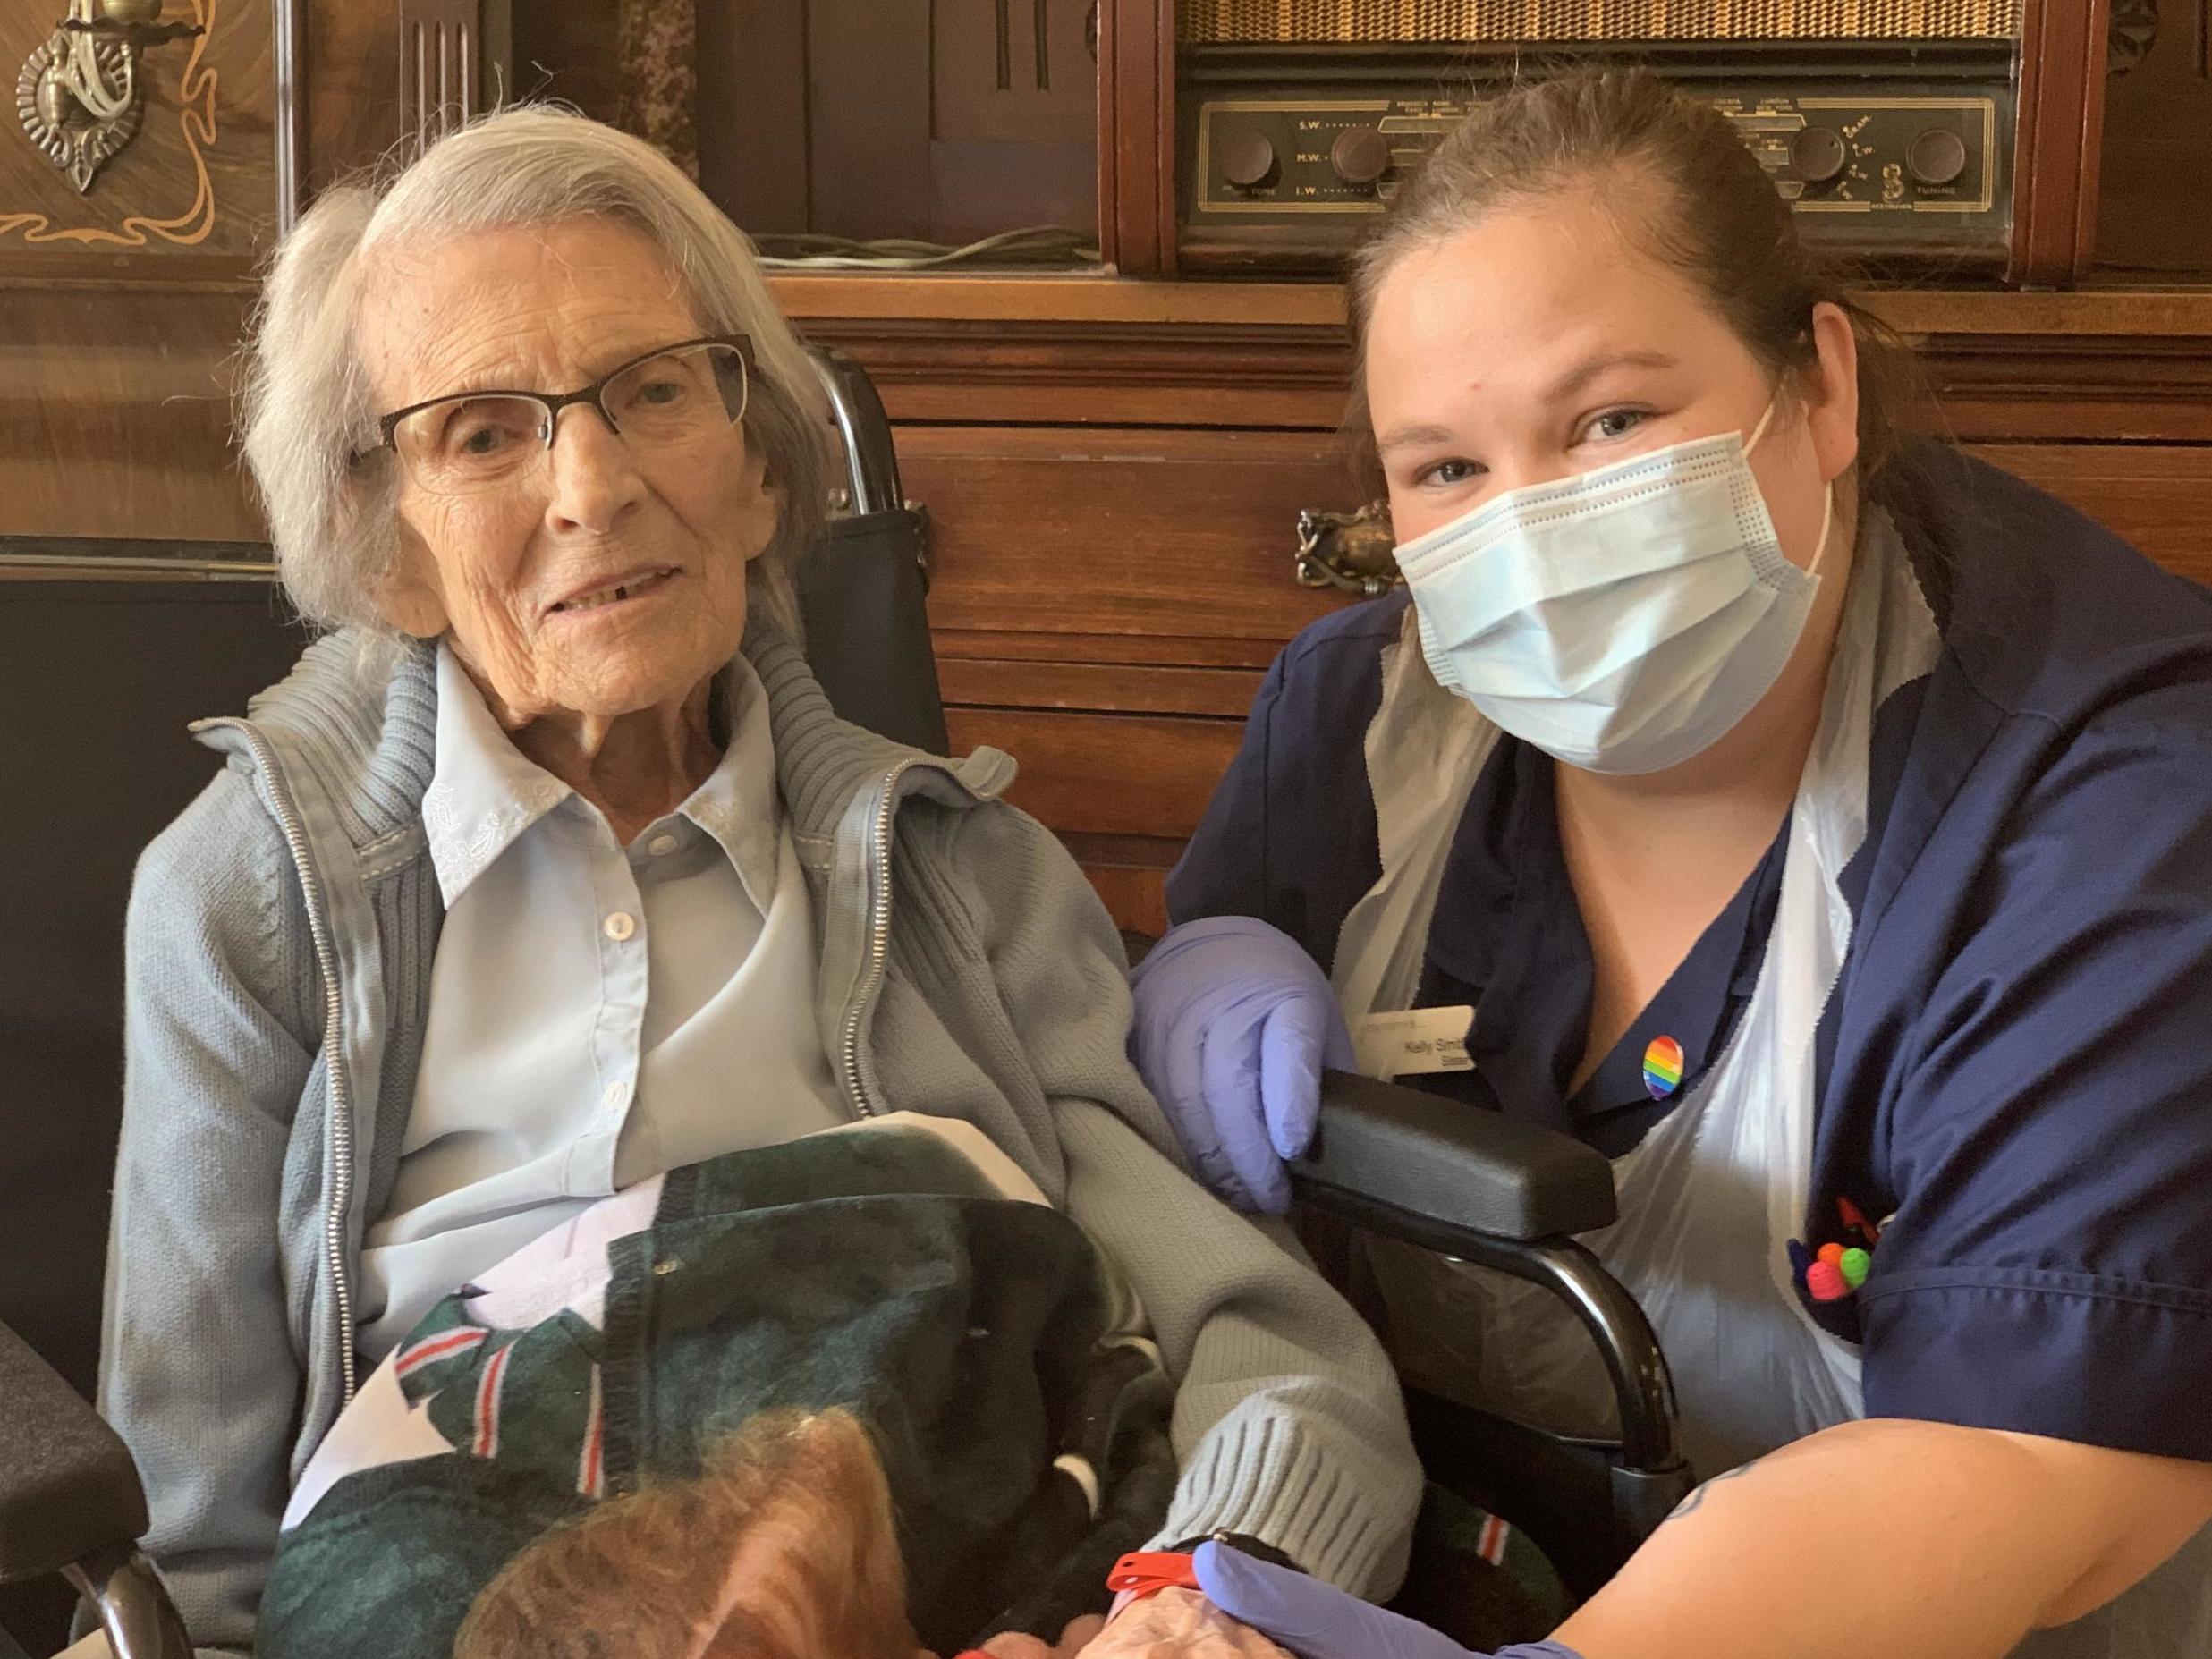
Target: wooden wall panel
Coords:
[(2128, 363), (350, 85), (1135, 896), (752, 112), (115, 415), (2158, 498), (1094, 688), (1140, 776), (1170, 534)]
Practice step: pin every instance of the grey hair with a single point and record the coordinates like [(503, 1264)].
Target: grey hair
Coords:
[(305, 403)]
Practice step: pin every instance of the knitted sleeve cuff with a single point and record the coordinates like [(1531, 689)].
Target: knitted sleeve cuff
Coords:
[(1278, 1478)]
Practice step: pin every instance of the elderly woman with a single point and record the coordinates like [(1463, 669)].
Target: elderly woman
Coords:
[(530, 883)]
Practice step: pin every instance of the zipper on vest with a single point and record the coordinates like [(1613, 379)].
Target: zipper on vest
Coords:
[(878, 941), (341, 1125)]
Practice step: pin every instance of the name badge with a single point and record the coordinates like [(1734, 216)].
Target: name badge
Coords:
[(1413, 1042)]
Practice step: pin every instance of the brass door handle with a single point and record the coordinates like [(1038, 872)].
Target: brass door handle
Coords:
[(79, 97), (1350, 552)]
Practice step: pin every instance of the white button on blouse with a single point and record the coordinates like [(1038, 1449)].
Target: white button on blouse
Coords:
[(598, 1014)]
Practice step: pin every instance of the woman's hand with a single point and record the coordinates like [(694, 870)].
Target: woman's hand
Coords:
[(1234, 1024), (1179, 1624), (1320, 1621)]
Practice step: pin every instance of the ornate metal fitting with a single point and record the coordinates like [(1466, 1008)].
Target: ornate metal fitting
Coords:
[(1350, 552), (2134, 31), (78, 96)]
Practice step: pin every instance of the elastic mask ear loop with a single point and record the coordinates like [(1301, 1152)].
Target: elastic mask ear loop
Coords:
[(1765, 420), (1827, 523), (1827, 503)]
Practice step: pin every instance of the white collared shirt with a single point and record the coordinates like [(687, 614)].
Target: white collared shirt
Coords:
[(599, 1014)]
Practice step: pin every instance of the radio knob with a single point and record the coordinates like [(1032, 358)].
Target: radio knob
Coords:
[(1937, 157), (1248, 160), (1361, 155), (1817, 156)]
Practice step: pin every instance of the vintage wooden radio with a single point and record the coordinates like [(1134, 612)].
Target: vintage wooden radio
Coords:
[(1931, 136)]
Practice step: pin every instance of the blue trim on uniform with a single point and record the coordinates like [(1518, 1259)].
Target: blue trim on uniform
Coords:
[(2017, 1062)]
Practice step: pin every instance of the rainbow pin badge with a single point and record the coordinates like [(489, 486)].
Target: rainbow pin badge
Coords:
[(1663, 1067)]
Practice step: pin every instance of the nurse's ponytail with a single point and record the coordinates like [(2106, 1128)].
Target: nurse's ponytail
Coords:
[(1716, 217)]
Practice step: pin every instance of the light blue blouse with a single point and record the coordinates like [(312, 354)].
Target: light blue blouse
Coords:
[(599, 1014)]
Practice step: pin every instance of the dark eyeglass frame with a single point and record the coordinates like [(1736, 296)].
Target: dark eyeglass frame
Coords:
[(595, 394)]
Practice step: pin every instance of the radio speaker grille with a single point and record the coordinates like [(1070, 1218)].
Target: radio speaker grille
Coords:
[(1206, 22)]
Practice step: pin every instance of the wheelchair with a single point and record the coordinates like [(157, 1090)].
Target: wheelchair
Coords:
[(1471, 1185)]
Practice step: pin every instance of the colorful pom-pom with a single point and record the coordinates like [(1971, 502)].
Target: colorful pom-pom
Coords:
[(1825, 1280), (1833, 1254), (1853, 1266)]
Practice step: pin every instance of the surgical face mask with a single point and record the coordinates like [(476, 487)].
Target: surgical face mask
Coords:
[(1622, 620)]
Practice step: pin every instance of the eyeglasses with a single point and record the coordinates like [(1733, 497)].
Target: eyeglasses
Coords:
[(471, 441)]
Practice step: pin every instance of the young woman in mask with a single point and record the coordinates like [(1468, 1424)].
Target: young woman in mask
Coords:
[(1817, 824)]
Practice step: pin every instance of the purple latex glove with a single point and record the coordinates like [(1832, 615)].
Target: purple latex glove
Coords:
[(1317, 1621), (1234, 1024)]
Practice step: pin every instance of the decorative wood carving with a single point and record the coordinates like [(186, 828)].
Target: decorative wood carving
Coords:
[(78, 140), (2134, 31), (2158, 149), (441, 67), (121, 310), (198, 178)]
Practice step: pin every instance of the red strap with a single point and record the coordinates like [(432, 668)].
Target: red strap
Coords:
[(1147, 1572)]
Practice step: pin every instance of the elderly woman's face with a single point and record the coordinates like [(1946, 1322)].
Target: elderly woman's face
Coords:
[(524, 575)]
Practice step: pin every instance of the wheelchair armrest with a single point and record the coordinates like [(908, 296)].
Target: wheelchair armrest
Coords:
[(68, 1488), (1448, 1168), (1473, 1183)]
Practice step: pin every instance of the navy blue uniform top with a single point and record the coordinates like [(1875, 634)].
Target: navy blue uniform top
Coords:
[(2018, 1059)]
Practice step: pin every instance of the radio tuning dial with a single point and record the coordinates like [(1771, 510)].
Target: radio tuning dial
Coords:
[(1937, 157), (1817, 156), (1361, 155), (1248, 160)]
